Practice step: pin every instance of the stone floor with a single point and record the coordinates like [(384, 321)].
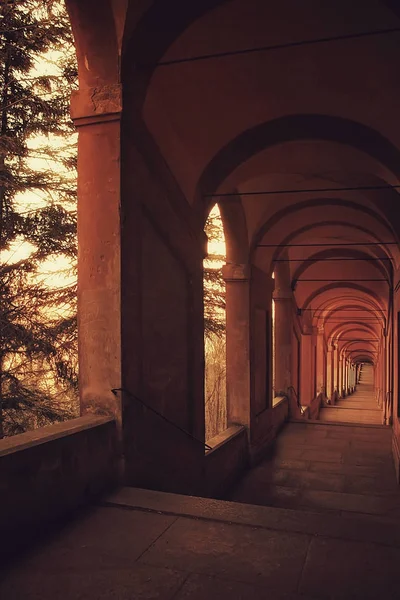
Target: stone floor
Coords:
[(319, 519), (326, 468), (149, 545), (360, 407)]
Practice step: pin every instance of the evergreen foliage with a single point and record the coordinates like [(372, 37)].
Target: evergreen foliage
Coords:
[(38, 347), (214, 329), (214, 284)]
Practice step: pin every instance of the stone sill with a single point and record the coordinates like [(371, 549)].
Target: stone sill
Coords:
[(224, 437), (30, 439), (278, 400)]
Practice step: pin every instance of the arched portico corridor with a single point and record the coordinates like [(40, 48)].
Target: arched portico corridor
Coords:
[(285, 114)]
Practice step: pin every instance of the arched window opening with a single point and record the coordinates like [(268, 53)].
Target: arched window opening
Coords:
[(215, 327)]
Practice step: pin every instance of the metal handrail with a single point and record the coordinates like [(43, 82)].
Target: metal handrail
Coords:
[(291, 387), (134, 397)]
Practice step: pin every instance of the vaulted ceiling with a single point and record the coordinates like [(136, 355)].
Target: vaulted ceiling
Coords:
[(286, 113)]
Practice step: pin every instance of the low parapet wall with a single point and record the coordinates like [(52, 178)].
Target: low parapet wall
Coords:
[(226, 461), (266, 427), (396, 447), (47, 473)]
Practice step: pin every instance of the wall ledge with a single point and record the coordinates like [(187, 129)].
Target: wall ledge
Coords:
[(278, 400), (224, 437), (30, 439)]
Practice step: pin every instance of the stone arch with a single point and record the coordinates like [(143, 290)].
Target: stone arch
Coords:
[(235, 230), (96, 41), (344, 329), (312, 226), (146, 42), (332, 286), (345, 253), (293, 128), (364, 304), (312, 203)]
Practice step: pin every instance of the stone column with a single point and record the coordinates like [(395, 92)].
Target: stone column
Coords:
[(306, 384), (320, 367), (388, 383), (345, 376), (96, 113), (383, 378), (284, 377), (377, 381), (336, 370), (342, 361), (237, 279), (330, 373)]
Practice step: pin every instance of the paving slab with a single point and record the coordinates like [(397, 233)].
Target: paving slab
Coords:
[(351, 570), (375, 484), (139, 582), (252, 552), (106, 537), (322, 455), (201, 587), (301, 465), (256, 556), (347, 469), (308, 480), (366, 460), (350, 473), (317, 499)]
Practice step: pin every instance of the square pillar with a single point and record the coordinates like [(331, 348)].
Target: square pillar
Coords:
[(237, 280), (320, 366), (330, 384), (284, 376), (306, 386), (96, 113), (336, 371)]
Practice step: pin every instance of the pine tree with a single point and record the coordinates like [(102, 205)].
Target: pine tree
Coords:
[(214, 284), (214, 329), (37, 214)]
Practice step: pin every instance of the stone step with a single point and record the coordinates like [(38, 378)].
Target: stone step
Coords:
[(346, 525), (352, 416), (345, 479), (324, 501)]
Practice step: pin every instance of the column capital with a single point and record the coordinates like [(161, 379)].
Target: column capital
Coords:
[(236, 272), (282, 294), (96, 104)]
